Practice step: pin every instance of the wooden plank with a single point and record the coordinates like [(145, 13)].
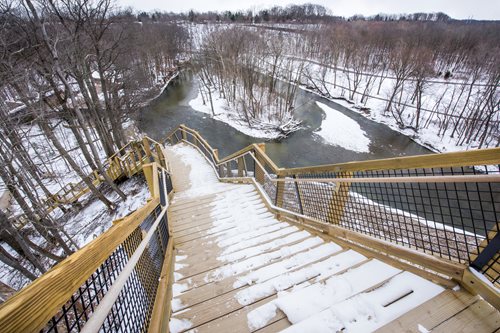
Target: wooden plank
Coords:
[(235, 322), (162, 306), (213, 311), (453, 159), (204, 278), (336, 206), (186, 215), (213, 289), (196, 225), (203, 204), (277, 326), (32, 308), (213, 240), (431, 313), (196, 267), (208, 254), (477, 318), (202, 234), (478, 287)]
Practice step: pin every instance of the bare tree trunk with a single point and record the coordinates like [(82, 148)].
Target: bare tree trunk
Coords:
[(48, 132), (6, 258), (5, 224)]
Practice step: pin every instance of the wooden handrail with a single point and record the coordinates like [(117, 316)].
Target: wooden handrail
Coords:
[(31, 309), (488, 156), (421, 179)]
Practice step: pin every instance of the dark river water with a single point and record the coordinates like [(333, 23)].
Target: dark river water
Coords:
[(302, 148)]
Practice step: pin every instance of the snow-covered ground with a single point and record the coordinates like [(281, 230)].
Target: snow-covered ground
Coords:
[(224, 113), (437, 97)]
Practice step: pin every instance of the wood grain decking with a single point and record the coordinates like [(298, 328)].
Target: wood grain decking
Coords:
[(234, 259)]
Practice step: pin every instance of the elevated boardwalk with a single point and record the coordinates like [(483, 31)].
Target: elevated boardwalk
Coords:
[(239, 244), (240, 269)]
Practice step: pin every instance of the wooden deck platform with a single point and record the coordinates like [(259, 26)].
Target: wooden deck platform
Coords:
[(239, 269)]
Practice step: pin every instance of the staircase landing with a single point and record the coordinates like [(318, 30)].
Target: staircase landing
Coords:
[(239, 269)]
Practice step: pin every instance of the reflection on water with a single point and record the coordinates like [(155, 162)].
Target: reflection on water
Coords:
[(302, 148)]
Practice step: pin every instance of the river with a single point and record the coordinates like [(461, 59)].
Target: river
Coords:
[(302, 148)]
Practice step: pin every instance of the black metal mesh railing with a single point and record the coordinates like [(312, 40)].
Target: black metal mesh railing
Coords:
[(132, 310), (448, 219)]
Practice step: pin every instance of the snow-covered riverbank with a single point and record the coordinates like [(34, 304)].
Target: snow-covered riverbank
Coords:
[(222, 112), (439, 99)]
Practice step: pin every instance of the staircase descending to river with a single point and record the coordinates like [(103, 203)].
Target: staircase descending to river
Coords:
[(240, 245)]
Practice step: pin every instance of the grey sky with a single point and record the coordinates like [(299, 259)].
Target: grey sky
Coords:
[(460, 9)]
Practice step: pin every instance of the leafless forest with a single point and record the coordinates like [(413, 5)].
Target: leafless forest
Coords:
[(78, 71), (83, 66), (419, 75)]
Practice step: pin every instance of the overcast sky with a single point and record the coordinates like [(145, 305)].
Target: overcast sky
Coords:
[(460, 9)]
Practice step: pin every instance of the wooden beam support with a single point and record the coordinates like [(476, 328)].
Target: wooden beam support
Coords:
[(339, 199), (476, 286)]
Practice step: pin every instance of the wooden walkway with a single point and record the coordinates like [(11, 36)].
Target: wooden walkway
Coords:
[(239, 269)]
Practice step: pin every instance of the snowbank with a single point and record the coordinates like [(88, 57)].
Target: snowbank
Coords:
[(339, 130)]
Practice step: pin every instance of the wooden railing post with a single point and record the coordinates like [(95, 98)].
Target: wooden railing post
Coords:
[(161, 157), (138, 151), (260, 175), (339, 199), (135, 165), (150, 171), (241, 166), (147, 148), (184, 134), (118, 167), (280, 189)]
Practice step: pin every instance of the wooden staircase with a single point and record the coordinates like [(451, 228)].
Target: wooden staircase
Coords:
[(240, 269), (238, 244)]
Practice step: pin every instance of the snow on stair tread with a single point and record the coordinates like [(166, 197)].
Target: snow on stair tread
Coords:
[(369, 310), (232, 231), (221, 266), (220, 305), (229, 197), (303, 260), (306, 299), (204, 279), (250, 202), (253, 246), (228, 239)]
